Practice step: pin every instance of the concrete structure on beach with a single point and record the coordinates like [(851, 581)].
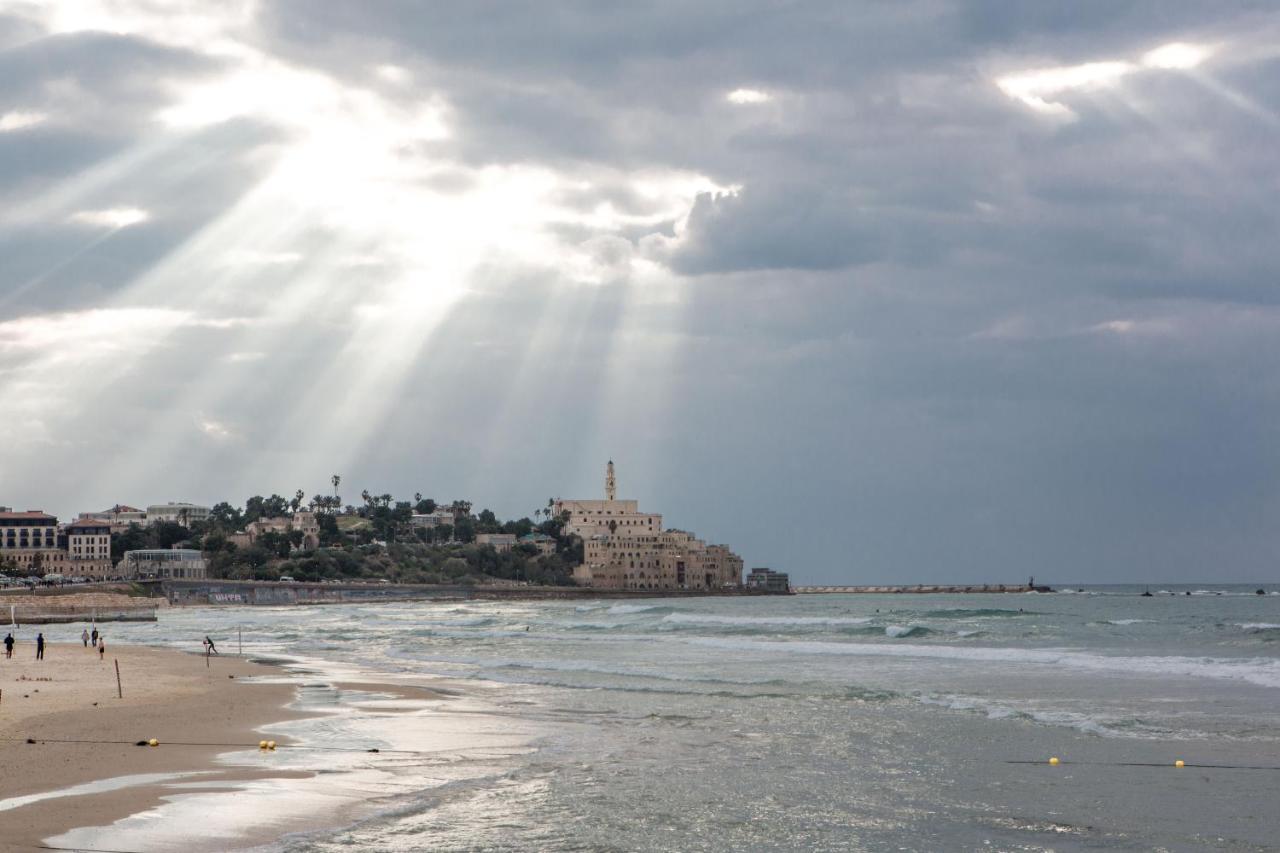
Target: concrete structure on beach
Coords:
[(164, 563), (624, 548), (768, 579)]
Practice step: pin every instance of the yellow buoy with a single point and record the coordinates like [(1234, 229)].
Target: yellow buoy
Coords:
[(271, 744), (1053, 760), (262, 744), (1179, 763), (153, 742)]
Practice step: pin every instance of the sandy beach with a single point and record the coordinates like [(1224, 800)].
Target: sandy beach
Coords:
[(71, 696)]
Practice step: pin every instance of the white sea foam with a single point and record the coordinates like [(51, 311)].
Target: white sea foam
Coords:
[(898, 630), (622, 609), (1126, 621), (1260, 671), (718, 619), (1260, 626)]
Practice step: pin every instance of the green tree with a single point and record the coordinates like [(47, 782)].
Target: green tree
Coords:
[(254, 557), (227, 516), (464, 529)]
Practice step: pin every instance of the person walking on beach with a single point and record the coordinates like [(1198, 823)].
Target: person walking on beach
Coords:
[(209, 647), (84, 637), (93, 638), (39, 646), (102, 647), (8, 645)]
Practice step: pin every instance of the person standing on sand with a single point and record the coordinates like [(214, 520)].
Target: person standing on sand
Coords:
[(8, 645), (40, 646), (93, 638), (84, 637), (102, 647)]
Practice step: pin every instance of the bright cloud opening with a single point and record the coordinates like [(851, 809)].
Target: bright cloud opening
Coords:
[(1177, 56), (114, 217), (748, 96), (17, 120), (1042, 89), (1037, 88)]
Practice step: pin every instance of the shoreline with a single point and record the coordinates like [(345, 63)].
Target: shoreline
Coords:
[(80, 780), (84, 734)]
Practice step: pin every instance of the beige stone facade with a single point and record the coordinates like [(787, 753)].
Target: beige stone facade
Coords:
[(119, 517), (301, 520), (33, 543), (624, 548), (500, 542)]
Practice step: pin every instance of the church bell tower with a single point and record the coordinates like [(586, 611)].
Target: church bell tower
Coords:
[(610, 486)]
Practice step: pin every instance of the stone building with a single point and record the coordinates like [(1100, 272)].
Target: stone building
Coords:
[(430, 520), (33, 543), (500, 542), (119, 517), (87, 542), (302, 520), (624, 548)]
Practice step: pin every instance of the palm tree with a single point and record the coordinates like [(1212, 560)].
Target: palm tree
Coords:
[(335, 479), (297, 499), (417, 498)]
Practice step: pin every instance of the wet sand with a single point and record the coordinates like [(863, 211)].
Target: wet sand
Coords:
[(71, 696)]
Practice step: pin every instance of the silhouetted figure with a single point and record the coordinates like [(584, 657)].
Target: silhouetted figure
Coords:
[(209, 647), (8, 645), (39, 646)]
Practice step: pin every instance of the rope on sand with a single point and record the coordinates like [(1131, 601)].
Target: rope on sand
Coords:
[(1179, 764)]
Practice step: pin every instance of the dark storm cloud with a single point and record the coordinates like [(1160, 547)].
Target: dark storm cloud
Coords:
[(922, 331)]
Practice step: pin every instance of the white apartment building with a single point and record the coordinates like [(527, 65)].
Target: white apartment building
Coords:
[(178, 513)]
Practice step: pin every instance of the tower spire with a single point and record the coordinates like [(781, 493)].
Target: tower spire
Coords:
[(610, 486)]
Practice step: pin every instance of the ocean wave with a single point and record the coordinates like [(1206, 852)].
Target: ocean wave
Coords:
[(1261, 671), (977, 613), (1265, 631), (1095, 724), (624, 609), (1121, 621), (898, 631), (684, 618)]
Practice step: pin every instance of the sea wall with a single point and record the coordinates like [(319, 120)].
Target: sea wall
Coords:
[(267, 593)]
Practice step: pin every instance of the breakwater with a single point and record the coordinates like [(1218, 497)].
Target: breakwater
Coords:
[(50, 609), (950, 589)]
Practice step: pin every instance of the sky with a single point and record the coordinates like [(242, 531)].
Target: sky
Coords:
[(911, 291)]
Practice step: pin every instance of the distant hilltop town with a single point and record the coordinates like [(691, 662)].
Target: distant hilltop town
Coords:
[(606, 544)]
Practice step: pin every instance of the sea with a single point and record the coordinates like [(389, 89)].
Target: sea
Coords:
[(809, 722)]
